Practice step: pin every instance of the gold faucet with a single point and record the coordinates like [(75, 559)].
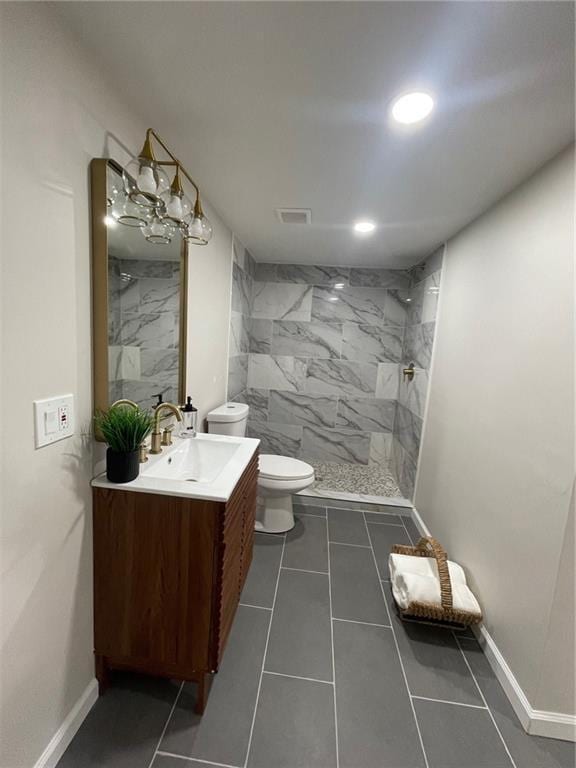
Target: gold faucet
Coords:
[(124, 402), (157, 434)]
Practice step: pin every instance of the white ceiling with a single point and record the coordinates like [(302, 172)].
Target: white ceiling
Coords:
[(274, 104)]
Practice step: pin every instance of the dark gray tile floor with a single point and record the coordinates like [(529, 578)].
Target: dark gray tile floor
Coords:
[(320, 673)]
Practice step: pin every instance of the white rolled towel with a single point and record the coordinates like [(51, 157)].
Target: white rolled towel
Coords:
[(409, 588), (423, 566)]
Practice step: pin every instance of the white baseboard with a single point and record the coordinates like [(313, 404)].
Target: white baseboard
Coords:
[(553, 725), (64, 735)]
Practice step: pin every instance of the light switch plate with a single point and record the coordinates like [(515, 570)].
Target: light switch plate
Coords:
[(53, 419)]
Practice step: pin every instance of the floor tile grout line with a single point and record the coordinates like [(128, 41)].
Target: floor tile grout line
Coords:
[(332, 643), (347, 544), (166, 724), (298, 677), (250, 605), (445, 701), (302, 570), (265, 652), (298, 512), (408, 534), (365, 623), (484, 700), (195, 759), (393, 525), (397, 648)]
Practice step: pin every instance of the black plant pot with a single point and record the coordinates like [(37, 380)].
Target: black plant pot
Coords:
[(122, 467)]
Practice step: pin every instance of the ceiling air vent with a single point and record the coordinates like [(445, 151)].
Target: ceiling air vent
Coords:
[(294, 215)]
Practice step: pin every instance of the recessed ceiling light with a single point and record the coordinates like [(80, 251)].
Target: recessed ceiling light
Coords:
[(412, 107), (364, 227)]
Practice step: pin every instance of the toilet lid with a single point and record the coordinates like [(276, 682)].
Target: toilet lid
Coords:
[(284, 468)]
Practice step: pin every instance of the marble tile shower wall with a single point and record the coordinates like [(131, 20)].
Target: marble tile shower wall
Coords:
[(243, 270), (417, 349), (143, 333), (324, 347)]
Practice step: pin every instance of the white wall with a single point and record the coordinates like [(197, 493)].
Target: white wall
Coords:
[(209, 288), (497, 460), (56, 115)]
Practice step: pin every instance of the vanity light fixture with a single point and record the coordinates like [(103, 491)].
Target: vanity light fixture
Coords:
[(412, 107), (339, 286), (364, 227), (158, 206)]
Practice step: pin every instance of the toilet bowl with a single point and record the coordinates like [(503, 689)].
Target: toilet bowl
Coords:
[(279, 477)]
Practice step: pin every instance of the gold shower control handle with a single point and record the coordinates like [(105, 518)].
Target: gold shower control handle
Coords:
[(408, 373)]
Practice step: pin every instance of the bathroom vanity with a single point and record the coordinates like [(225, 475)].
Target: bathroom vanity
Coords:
[(171, 554)]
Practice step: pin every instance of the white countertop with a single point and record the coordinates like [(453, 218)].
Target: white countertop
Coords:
[(215, 484)]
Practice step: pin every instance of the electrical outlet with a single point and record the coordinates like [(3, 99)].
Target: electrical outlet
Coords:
[(53, 419)]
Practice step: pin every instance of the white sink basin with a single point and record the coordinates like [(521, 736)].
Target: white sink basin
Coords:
[(197, 460), (203, 467)]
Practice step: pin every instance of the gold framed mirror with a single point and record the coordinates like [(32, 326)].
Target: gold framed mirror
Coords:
[(139, 291)]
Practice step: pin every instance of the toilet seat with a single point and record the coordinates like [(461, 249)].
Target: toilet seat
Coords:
[(283, 468)]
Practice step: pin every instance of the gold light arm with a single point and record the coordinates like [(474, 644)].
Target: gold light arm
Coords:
[(151, 133)]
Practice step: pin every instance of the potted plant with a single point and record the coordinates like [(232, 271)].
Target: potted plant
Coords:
[(124, 429)]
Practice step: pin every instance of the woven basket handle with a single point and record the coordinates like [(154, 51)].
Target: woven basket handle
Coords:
[(429, 546)]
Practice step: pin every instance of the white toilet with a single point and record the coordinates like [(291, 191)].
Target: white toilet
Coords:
[(279, 476)]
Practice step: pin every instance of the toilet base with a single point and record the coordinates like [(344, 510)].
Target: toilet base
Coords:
[(274, 514)]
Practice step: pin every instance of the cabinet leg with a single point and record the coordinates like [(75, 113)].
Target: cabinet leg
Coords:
[(204, 685), (102, 674)]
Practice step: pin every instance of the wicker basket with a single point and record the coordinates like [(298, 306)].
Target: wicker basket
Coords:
[(431, 613)]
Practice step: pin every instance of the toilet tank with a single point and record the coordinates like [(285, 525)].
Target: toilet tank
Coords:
[(228, 419)]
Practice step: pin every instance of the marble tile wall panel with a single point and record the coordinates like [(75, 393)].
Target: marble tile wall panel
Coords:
[(408, 428), (312, 275), (281, 301), (380, 447), (372, 343), (412, 394), (124, 363), (312, 339), (241, 290), (430, 299), (259, 336), (418, 343), (340, 377), (296, 408), (257, 399), (387, 381), (280, 439), (381, 278), (355, 305), (335, 445), (366, 414), (397, 307), (276, 372), (160, 364), (148, 330), (144, 391), (158, 295), (149, 268), (265, 273), (237, 375), (239, 342)]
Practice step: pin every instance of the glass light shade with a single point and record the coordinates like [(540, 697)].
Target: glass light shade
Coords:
[(198, 230), (177, 207), (159, 231), (128, 213), (145, 182)]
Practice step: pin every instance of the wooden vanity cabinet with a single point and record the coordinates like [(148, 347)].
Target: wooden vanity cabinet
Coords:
[(168, 573)]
